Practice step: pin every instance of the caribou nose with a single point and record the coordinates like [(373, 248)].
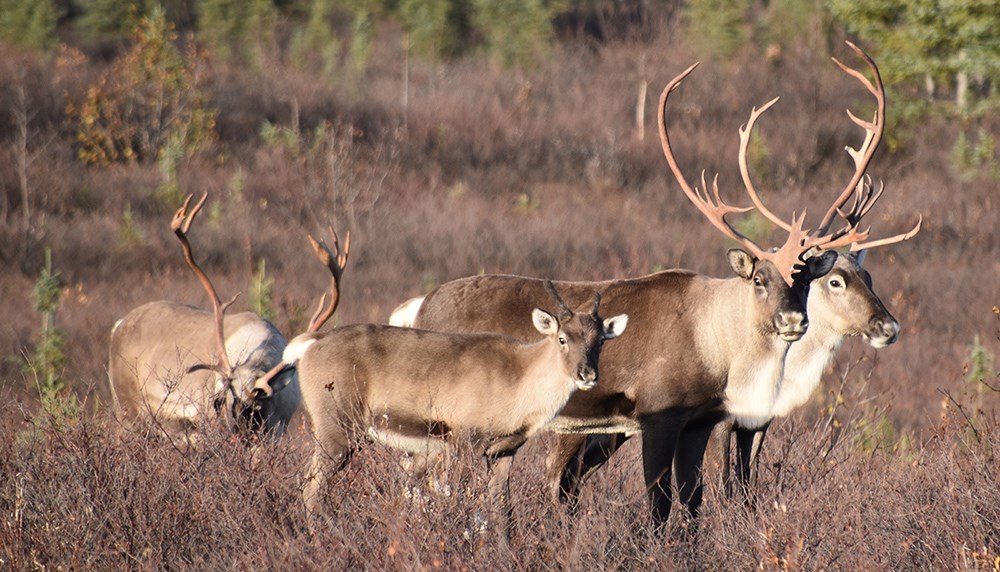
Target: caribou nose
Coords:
[(791, 325), (586, 378), (882, 333)]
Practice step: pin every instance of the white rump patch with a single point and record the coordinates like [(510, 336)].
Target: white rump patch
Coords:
[(405, 315), (297, 348)]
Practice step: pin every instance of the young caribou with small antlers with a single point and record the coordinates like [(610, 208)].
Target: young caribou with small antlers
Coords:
[(706, 349), (414, 389), (161, 361)]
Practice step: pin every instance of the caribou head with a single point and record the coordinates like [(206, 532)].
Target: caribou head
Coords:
[(244, 391), (581, 336)]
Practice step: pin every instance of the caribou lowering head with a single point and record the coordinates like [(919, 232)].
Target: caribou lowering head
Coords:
[(412, 389), (161, 362), (702, 351)]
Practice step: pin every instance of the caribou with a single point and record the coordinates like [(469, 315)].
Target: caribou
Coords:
[(417, 390), (161, 362), (840, 304), (707, 349)]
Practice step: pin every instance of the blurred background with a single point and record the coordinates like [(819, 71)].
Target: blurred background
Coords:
[(454, 137)]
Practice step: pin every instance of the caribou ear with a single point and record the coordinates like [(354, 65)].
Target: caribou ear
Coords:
[(613, 327), (545, 322), (820, 264), (860, 257), (741, 262)]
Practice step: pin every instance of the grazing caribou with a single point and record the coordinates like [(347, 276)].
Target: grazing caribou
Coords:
[(183, 366), (414, 389), (706, 349)]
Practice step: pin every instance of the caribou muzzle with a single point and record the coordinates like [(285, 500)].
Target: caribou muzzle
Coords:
[(882, 332), (791, 325), (586, 377)]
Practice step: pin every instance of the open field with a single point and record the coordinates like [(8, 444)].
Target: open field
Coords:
[(895, 464)]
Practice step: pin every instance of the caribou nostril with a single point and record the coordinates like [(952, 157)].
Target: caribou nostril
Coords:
[(888, 330), (791, 322), (587, 374)]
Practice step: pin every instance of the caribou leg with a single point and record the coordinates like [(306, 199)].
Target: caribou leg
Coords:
[(575, 457), (718, 457), (333, 451), (659, 442), (689, 458), (748, 445), (499, 460)]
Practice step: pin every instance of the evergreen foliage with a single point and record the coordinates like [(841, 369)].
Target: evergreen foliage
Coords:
[(515, 31), (109, 19), (432, 26), (48, 358), (29, 23), (261, 292), (950, 48), (315, 42), (148, 98), (236, 27), (716, 27)]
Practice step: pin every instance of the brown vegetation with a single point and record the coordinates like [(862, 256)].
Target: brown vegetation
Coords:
[(898, 470)]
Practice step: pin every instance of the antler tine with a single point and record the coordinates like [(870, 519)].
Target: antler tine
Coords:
[(864, 199), (745, 131), (564, 309), (181, 224), (336, 261), (873, 133), (858, 246), (715, 211)]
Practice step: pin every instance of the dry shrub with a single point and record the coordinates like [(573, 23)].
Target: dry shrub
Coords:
[(90, 493)]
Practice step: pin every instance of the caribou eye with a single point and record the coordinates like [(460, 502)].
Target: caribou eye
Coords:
[(836, 283), (757, 281), (562, 340)]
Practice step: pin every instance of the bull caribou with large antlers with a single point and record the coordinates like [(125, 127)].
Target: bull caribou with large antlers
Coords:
[(841, 304), (708, 348), (182, 365)]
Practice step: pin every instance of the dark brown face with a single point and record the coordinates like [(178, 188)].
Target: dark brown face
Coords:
[(780, 309), (581, 336), (843, 300)]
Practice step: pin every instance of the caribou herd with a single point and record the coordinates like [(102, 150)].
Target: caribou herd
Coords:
[(495, 359)]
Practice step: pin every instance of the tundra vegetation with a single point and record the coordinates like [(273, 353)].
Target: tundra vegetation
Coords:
[(459, 140)]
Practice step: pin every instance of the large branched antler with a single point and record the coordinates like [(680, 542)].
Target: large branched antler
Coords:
[(181, 224), (800, 240), (715, 209), (711, 206), (860, 186)]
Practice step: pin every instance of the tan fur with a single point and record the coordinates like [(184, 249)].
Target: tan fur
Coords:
[(413, 389), (155, 345)]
